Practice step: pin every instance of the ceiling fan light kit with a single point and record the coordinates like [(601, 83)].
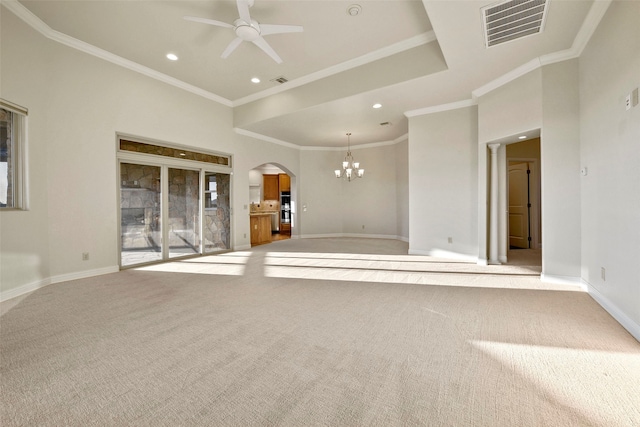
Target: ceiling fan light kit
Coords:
[(247, 29)]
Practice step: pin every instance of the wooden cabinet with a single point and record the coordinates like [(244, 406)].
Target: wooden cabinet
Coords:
[(284, 182), (260, 229), (270, 187)]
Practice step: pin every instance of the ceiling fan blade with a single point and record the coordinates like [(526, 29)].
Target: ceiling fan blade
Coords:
[(262, 44), (231, 47), (208, 21), (243, 10), (266, 29)]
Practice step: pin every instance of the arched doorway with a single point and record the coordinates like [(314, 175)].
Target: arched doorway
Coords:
[(271, 194)]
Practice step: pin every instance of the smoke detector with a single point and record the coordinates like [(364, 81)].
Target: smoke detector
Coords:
[(354, 10)]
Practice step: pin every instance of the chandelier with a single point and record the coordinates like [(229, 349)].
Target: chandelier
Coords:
[(350, 168)]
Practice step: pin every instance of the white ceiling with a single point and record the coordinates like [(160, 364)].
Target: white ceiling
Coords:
[(405, 54)]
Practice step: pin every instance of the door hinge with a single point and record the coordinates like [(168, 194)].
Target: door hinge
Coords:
[(528, 171), (529, 238), (528, 205)]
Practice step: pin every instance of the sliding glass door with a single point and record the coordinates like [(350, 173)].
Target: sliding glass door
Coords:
[(168, 212), (217, 212), (184, 212), (140, 214)]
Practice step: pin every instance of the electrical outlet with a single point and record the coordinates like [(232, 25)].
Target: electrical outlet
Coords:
[(245, 235), (363, 227), (85, 256), (450, 239), (602, 274)]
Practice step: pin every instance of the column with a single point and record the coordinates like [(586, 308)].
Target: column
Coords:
[(493, 207)]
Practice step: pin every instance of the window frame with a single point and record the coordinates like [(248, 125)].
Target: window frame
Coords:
[(18, 180)]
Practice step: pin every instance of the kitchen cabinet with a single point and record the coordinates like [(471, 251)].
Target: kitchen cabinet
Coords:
[(270, 187), (284, 182), (260, 228)]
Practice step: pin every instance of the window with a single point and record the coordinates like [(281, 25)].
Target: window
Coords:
[(13, 185), (211, 191)]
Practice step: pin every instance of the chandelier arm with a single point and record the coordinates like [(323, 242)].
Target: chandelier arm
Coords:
[(350, 168)]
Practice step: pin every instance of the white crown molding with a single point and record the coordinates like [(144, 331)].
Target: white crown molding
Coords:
[(265, 138), (360, 146), (442, 107), (37, 24), (591, 22), (407, 44), (520, 71)]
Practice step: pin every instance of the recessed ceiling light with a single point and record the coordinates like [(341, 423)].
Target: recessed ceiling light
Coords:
[(522, 136), (377, 105), (172, 56), (255, 80)]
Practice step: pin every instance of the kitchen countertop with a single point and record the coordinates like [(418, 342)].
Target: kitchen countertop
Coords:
[(263, 213)]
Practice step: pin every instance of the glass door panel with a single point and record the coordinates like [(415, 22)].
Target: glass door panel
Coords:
[(184, 212), (217, 212), (140, 219)]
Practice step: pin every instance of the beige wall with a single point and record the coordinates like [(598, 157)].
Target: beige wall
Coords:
[(560, 154), (511, 109), (610, 150), (338, 207), (78, 104), (443, 195)]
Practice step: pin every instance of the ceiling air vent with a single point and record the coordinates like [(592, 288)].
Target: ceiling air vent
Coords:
[(511, 20), (280, 80)]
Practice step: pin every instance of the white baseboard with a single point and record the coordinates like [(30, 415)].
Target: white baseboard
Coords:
[(84, 274), (320, 236), (440, 253), (355, 235), (372, 236), (30, 287), (24, 289), (628, 323), (242, 247), (562, 280)]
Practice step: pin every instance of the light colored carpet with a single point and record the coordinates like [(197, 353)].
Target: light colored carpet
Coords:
[(342, 332)]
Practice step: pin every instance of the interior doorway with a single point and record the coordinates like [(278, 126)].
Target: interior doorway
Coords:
[(271, 193), (524, 213)]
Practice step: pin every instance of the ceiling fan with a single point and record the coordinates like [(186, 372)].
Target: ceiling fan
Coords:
[(249, 30)]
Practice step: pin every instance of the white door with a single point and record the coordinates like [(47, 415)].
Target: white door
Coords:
[(518, 205)]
